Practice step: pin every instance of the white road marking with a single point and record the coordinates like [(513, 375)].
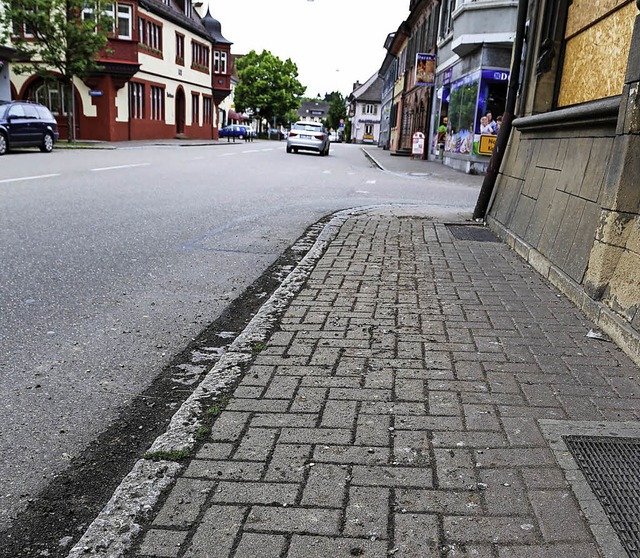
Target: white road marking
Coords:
[(371, 181), (28, 178), (121, 167)]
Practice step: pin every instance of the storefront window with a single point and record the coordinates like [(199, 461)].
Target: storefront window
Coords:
[(463, 102)]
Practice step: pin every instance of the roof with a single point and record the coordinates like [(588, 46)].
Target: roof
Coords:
[(207, 27), (370, 91)]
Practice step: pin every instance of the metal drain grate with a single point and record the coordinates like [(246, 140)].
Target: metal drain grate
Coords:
[(471, 232), (612, 469)]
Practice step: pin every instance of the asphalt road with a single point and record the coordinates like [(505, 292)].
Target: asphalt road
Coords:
[(113, 260)]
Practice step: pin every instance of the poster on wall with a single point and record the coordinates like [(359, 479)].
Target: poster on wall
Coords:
[(425, 69)]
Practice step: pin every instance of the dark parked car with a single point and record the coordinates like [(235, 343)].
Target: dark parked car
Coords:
[(236, 131), (24, 124)]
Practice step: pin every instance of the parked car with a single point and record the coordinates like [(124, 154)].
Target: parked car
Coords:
[(233, 131), (24, 124), (311, 136), (275, 133)]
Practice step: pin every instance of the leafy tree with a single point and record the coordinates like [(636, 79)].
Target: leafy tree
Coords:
[(337, 109), (267, 86), (57, 39)]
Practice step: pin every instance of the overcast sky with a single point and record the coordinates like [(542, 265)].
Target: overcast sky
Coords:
[(334, 43)]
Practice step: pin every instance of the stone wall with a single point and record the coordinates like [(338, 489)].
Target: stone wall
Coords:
[(568, 200)]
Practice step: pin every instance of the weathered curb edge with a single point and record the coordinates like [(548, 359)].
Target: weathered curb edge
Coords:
[(113, 532)]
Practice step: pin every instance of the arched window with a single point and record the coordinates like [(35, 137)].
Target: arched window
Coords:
[(52, 96)]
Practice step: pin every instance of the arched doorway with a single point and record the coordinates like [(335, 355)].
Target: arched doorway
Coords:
[(180, 111)]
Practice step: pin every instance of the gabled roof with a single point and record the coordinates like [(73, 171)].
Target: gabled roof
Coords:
[(207, 27), (370, 91)]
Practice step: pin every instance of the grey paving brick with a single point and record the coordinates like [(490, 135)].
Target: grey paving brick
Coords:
[(416, 535), (582, 550), (367, 513), (352, 455), (373, 430), (496, 530), (279, 420), (229, 426), (243, 492), (217, 450), (216, 532), (339, 414), (478, 440), (312, 521), (162, 543), (224, 470), (481, 417), (337, 436), (287, 462), (255, 544), (303, 546), (396, 476), (462, 502), (549, 506), (184, 503), (256, 444), (325, 486)]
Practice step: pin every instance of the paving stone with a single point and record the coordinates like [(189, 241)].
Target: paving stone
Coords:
[(367, 513), (496, 530), (287, 462), (161, 543), (255, 544), (416, 535), (243, 492), (325, 486), (304, 546), (184, 503), (312, 521), (559, 517), (217, 530)]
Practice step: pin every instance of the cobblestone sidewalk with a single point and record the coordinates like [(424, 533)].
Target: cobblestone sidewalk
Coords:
[(399, 410)]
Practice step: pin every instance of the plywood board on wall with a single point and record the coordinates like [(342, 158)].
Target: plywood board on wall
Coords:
[(582, 13), (595, 60)]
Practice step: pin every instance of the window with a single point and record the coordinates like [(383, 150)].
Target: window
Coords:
[(124, 23), (157, 103), (136, 99), (446, 17), (207, 110), (223, 62), (179, 49), (120, 14), (195, 109), (52, 96), (219, 62), (150, 35), (200, 56), (370, 109)]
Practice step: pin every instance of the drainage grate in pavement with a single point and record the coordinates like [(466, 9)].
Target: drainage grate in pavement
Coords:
[(472, 232), (612, 469)]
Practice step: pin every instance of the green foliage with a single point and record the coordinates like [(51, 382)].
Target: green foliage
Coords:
[(53, 35), (56, 39), (268, 86), (337, 109)]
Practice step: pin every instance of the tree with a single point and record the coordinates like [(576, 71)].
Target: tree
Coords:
[(337, 109), (267, 86), (57, 39)]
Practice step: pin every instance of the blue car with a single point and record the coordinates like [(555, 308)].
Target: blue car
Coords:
[(233, 131), (24, 124)]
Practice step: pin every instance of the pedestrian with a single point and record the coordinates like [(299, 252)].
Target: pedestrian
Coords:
[(492, 123)]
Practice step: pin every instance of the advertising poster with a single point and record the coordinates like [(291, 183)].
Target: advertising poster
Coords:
[(425, 69)]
